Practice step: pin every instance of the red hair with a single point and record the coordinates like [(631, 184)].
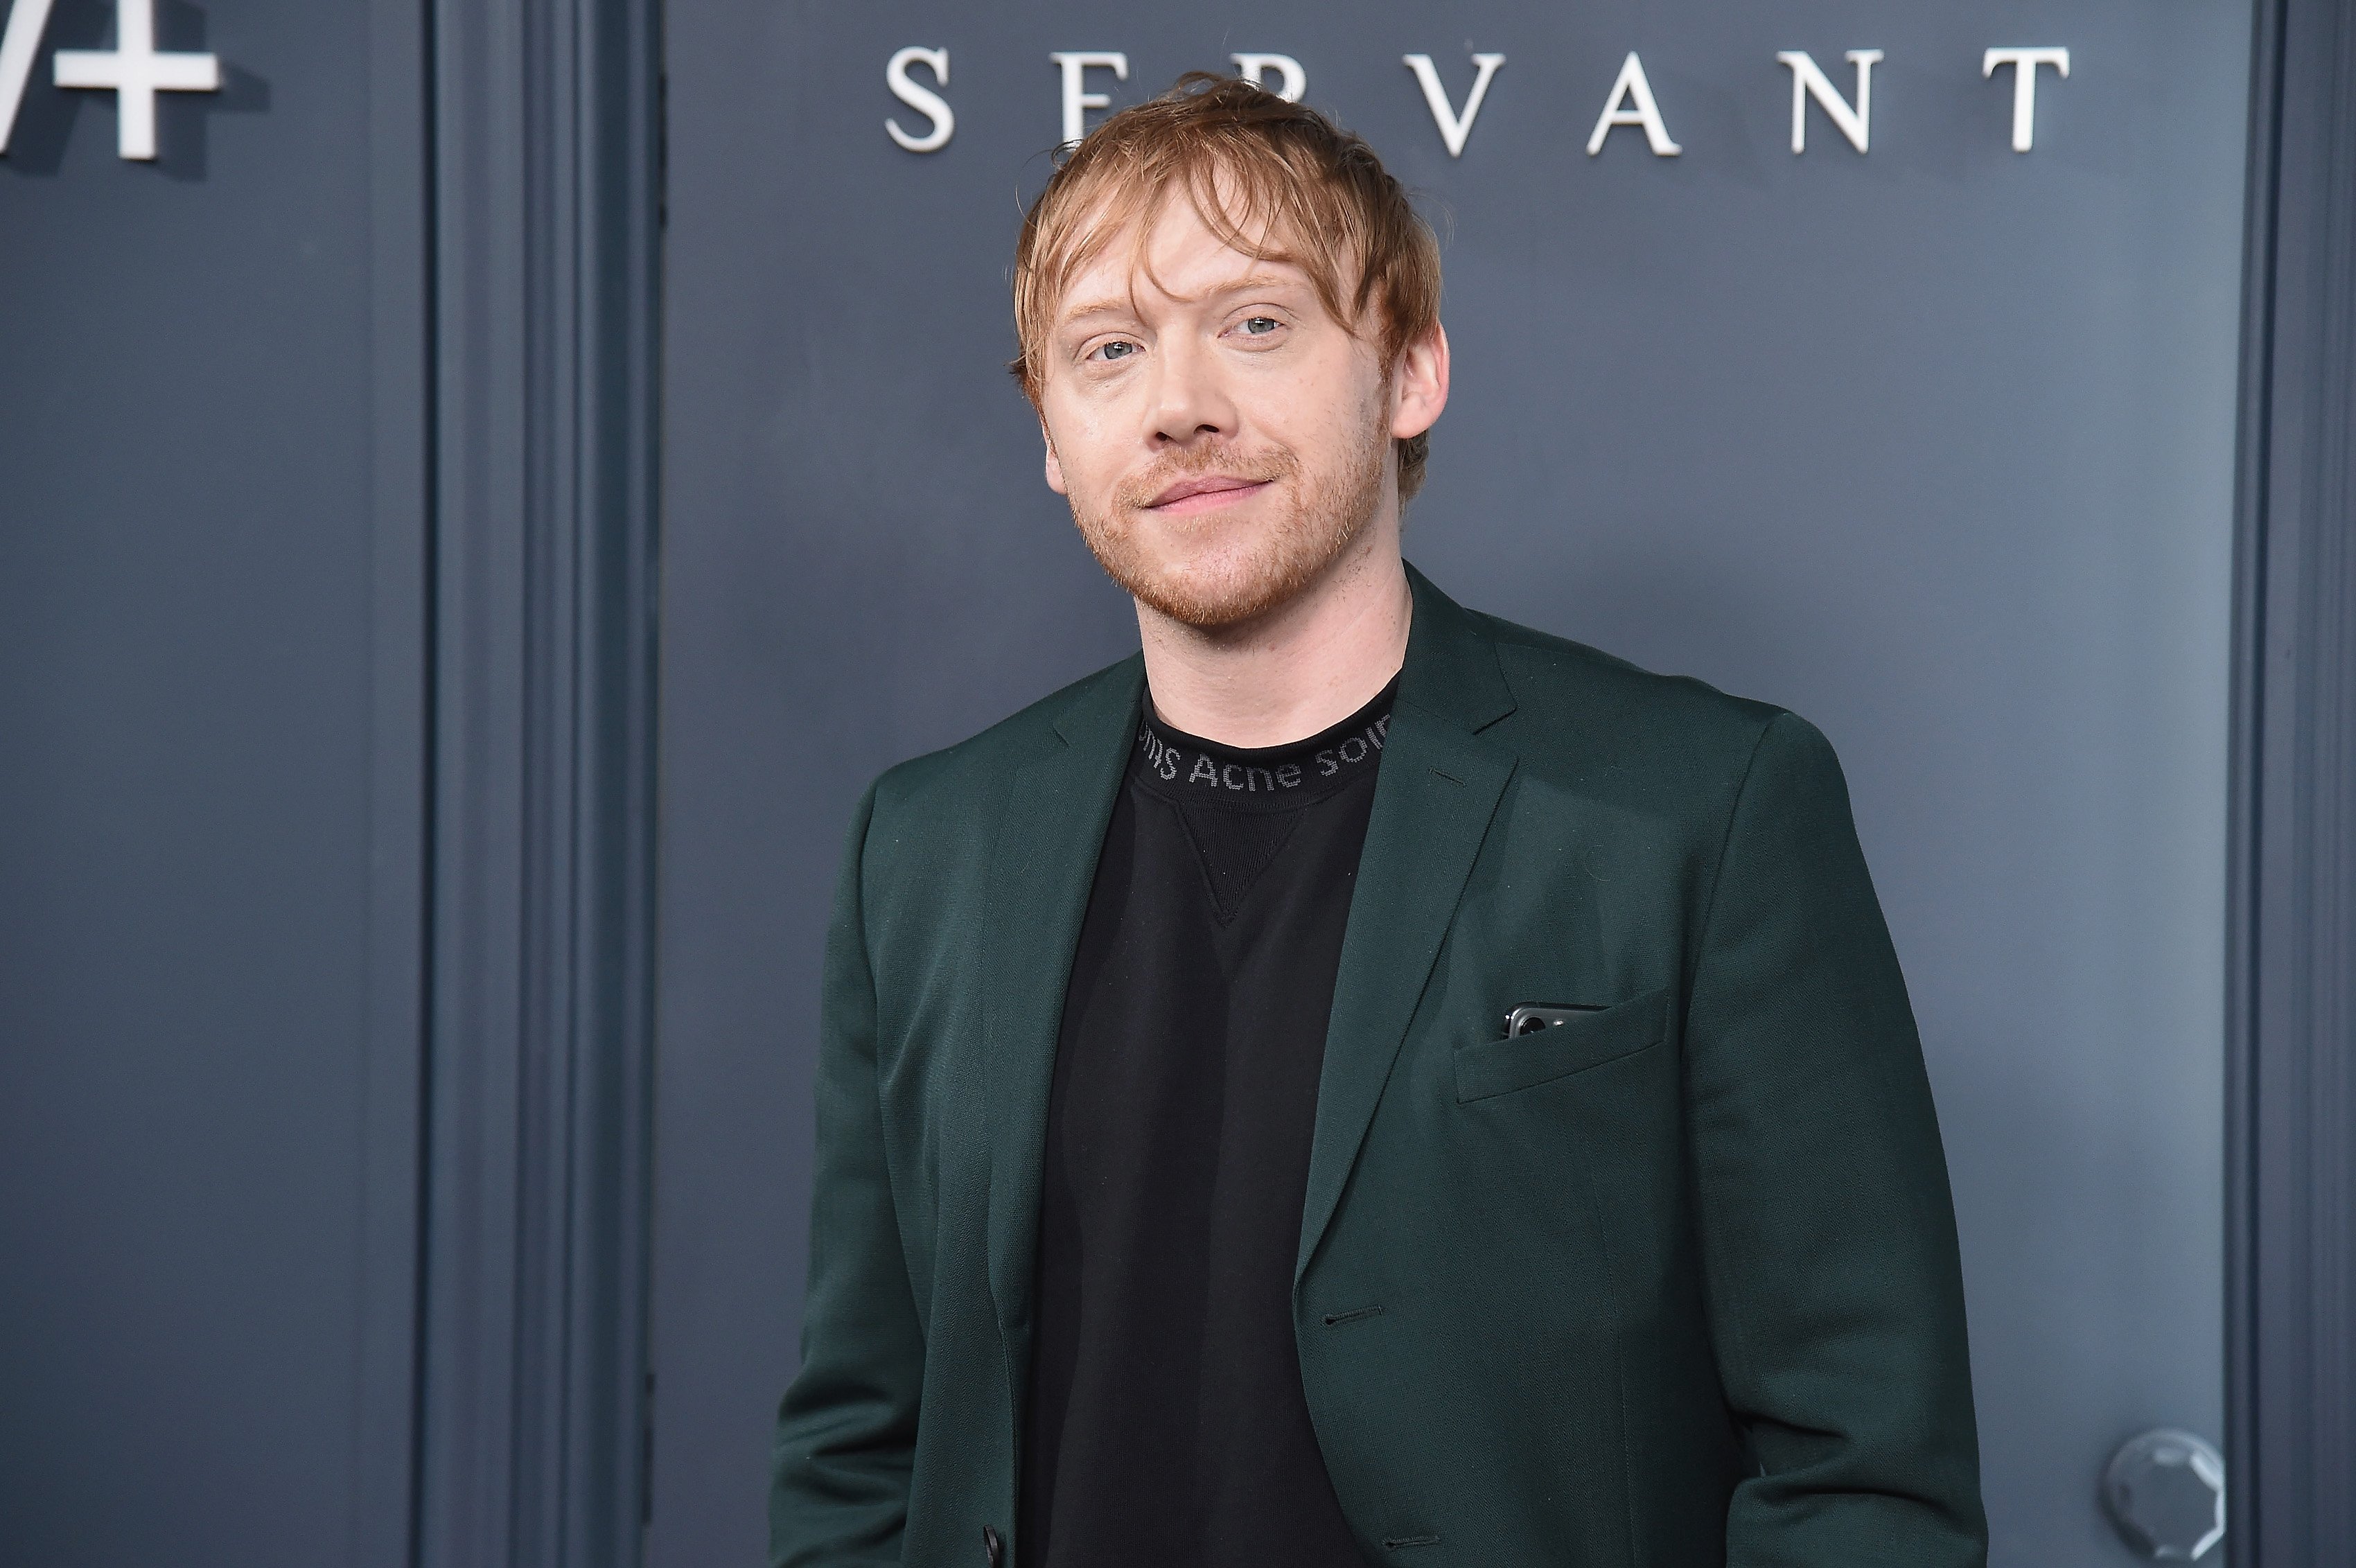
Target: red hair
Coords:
[(1276, 181)]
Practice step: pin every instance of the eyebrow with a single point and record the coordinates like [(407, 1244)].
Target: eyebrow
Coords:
[(1120, 305), (1100, 307)]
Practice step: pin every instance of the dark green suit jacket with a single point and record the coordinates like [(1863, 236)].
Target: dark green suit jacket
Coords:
[(1675, 1284)]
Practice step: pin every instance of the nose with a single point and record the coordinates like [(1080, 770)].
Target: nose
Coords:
[(1191, 401)]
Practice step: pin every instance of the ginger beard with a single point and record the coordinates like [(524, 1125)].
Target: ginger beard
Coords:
[(1213, 570)]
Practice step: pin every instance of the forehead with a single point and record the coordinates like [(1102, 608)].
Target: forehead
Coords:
[(1164, 249)]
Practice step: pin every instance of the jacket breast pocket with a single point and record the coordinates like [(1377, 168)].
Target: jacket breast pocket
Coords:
[(1488, 1068)]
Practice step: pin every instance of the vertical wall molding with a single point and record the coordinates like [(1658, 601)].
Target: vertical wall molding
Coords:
[(400, 362), (2292, 1090), (532, 1392)]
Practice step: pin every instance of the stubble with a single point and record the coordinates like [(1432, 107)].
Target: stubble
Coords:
[(1257, 573)]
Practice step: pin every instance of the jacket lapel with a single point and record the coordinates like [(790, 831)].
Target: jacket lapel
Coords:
[(1042, 867), (1434, 796)]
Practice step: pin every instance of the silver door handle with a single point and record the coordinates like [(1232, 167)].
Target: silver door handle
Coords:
[(2165, 1492)]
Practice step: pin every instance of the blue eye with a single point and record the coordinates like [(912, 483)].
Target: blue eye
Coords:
[(1118, 350), (1260, 325)]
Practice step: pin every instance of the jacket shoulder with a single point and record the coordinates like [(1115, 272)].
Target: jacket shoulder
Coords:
[(974, 769), (1544, 669), (1584, 706)]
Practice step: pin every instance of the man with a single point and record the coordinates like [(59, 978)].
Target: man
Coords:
[(1184, 1193)]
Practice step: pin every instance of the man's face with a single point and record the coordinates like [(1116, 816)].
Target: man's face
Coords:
[(1223, 440)]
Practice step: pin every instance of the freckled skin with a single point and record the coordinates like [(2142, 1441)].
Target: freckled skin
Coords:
[(1225, 447)]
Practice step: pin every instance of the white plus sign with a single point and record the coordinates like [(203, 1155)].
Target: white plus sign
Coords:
[(136, 73)]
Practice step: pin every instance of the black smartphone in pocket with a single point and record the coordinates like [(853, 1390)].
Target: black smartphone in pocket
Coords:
[(1530, 1019)]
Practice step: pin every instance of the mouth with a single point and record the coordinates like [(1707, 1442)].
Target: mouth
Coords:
[(1203, 493)]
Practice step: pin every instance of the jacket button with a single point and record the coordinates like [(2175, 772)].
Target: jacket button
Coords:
[(992, 1546)]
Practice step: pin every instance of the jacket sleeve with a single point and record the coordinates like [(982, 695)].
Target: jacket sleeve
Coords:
[(1827, 1227), (847, 1427)]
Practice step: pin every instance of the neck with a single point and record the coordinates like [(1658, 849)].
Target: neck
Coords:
[(1302, 668)]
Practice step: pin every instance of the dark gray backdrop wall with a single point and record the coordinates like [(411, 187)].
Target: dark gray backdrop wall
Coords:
[(1934, 443), (213, 561), (326, 669)]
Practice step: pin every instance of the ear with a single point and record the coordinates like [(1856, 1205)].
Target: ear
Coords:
[(1055, 463), (1419, 385)]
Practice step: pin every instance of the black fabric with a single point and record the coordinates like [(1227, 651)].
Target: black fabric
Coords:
[(1165, 1423)]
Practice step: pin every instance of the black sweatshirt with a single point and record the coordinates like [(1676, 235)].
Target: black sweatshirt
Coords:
[(1165, 1423)]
